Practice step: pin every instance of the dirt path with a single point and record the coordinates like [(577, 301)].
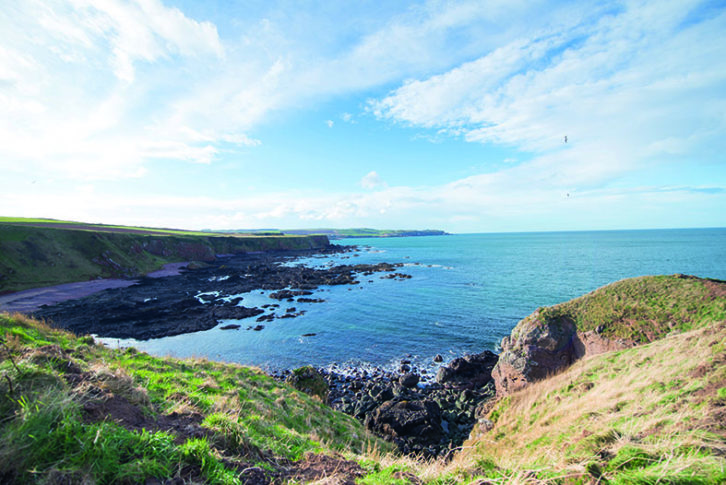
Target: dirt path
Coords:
[(28, 301)]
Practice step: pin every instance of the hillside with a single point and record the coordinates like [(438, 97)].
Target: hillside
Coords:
[(75, 412), (617, 316), (649, 414), (36, 253)]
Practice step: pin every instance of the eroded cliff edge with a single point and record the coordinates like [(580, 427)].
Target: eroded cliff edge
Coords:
[(623, 314)]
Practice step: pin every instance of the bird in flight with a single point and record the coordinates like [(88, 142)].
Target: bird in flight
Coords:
[(565, 138)]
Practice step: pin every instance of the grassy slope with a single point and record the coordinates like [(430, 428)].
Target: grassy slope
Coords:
[(247, 419), (650, 414), (40, 256), (655, 413)]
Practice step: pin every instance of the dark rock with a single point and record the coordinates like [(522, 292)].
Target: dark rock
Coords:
[(310, 300), (418, 420), (257, 328), (438, 358), (175, 308), (409, 380), (471, 371), (231, 326)]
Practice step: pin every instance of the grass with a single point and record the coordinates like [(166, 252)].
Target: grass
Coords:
[(33, 255), (650, 414), (49, 378), (643, 309)]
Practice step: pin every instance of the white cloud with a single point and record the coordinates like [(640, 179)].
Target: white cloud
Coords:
[(104, 89), (372, 181), (329, 123), (86, 93), (636, 85)]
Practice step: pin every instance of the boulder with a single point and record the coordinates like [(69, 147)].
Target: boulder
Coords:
[(409, 380), (416, 420), (471, 371), (310, 381)]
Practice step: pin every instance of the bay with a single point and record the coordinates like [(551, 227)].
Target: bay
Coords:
[(465, 293)]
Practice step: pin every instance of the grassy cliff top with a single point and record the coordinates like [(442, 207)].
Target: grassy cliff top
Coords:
[(646, 308)]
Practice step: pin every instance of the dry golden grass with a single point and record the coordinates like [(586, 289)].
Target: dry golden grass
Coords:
[(661, 398)]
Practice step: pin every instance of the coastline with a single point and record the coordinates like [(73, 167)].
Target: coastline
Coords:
[(201, 298), (28, 301)]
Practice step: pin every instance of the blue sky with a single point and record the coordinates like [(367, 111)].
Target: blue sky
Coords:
[(302, 114)]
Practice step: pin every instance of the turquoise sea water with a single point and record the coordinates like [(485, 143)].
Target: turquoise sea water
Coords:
[(465, 294)]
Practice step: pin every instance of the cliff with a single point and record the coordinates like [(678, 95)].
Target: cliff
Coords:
[(53, 253), (624, 314)]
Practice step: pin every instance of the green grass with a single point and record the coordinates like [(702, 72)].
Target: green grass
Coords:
[(47, 376), (642, 309), (34, 256)]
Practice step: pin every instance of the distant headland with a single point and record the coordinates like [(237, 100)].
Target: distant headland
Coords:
[(340, 233)]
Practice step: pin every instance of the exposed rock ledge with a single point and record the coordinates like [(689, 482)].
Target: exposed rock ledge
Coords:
[(539, 348), (623, 314)]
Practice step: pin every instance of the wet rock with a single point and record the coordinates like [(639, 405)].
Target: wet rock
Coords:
[(310, 300), (231, 326), (470, 371), (409, 380), (287, 294), (194, 300)]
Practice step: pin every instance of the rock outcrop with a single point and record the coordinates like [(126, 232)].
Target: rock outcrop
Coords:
[(623, 314), (540, 346), (418, 421), (468, 372)]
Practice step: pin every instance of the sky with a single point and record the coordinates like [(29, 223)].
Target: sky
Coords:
[(466, 116)]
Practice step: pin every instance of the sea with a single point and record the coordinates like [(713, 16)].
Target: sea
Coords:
[(466, 292)]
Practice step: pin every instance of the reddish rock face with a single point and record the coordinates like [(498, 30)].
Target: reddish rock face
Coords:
[(538, 348)]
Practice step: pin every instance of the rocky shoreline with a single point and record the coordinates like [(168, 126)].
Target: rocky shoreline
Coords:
[(204, 294), (424, 412), (422, 415)]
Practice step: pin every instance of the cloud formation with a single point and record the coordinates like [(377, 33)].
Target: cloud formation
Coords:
[(372, 181), (108, 90), (627, 89)]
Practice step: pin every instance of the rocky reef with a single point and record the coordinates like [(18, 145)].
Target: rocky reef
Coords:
[(199, 299)]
